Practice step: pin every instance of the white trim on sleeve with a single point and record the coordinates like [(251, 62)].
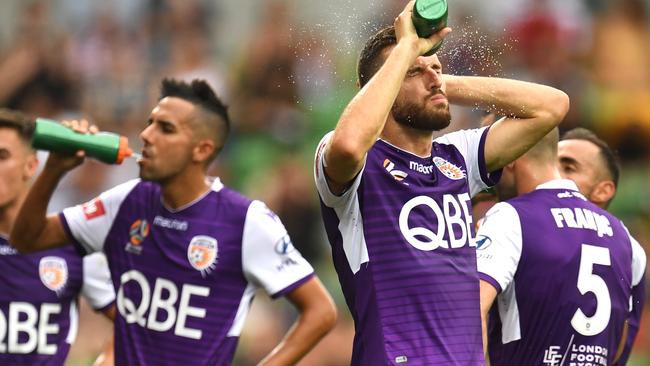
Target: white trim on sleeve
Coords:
[(74, 323), (499, 244), (330, 199), (269, 259), (347, 210), (97, 285), (89, 223), (638, 261), (242, 312), (468, 143), (509, 315)]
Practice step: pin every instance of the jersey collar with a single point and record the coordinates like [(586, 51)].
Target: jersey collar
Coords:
[(558, 184)]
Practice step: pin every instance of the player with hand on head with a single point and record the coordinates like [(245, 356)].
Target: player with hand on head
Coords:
[(39, 292), (396, 202), (185, 252), (556, 270), (590, 162)]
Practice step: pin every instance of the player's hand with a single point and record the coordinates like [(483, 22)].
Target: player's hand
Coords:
[(80, 126), (406, 34), (62, 162)]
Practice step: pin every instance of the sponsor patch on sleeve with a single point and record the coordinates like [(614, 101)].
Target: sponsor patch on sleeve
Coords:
[(93, 209)]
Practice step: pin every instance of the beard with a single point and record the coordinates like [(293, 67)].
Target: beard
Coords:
[(419, 117)]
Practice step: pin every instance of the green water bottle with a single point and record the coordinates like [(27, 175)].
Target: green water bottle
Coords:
[(107, 147), (429, 16)]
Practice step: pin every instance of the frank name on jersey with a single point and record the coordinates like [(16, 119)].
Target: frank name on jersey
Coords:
[(582, 218)]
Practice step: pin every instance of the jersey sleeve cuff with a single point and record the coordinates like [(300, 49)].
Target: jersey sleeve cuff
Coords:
[(491, 281), (293, 286), (66, 227), (489, 178)]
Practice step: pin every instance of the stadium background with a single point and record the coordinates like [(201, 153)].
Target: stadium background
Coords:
[(287, 68)]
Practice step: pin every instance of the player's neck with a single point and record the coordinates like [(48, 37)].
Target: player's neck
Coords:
[(530, 176), (417, 142), (183, 189), (8, 215)]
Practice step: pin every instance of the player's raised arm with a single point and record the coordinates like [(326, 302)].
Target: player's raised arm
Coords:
[(363, 119), (33, 229), (531, 110), (317, 317)]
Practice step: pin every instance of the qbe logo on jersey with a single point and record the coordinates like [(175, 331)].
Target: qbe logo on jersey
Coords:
[(202, 253), (448, 223), (53, 272)]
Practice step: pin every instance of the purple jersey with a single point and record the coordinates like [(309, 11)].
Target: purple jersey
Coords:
[(400, 238), (564, 270), (185, 277), (38, 302)]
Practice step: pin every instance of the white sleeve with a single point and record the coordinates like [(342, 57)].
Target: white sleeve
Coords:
[(330, 199), (471, 144), (499, 245), (269, 259), (638, 261), (89, 223), (97, 285)]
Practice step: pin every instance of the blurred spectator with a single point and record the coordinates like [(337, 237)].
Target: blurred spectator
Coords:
[(617, 104), (288, 191), (34, 74)]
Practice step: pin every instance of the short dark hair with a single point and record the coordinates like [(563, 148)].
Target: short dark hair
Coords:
[(18, 122), (199, 93), (370, 59), (609, 156)]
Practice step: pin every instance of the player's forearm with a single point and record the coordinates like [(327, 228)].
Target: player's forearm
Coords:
[(487, 296), (508, 97), (107, 357), (363, 119), (485, 340), (310, 327), (27, 234)]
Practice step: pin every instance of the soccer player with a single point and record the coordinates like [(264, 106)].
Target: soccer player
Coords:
[(558, 269), (396, 203), (589, 161), (186, 253), (38, 292)]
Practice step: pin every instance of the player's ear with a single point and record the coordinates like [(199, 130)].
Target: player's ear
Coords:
[(203, 150), (31, 165), (603, 192)]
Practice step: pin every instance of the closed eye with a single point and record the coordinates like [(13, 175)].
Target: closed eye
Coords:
[(413, 71)]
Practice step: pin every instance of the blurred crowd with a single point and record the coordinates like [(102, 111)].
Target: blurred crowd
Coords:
[(286, 79)]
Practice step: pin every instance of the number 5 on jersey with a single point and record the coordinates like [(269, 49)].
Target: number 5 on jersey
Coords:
[(588, 281)]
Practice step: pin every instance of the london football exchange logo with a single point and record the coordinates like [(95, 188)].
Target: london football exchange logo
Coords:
[(202, 253), (53, 272)]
